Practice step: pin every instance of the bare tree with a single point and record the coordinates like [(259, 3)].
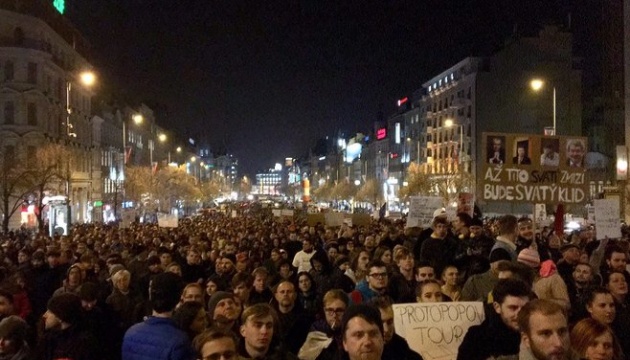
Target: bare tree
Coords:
[(50, 170), (370, 191), (13, 187), (446, 184)]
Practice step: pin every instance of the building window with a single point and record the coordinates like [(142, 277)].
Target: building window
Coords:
[(32, 73), (9, 70), (31, 114), (9, 113)]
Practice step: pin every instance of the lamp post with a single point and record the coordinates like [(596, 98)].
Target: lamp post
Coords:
[(87, 79), (537, 85)]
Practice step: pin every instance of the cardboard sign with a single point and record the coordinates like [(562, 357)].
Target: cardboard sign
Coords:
[(607, 220), (334, 219), (276, 212), (167, 220), (435, 330), (314, 219), (533, 168), (361, 219), (421, 209)]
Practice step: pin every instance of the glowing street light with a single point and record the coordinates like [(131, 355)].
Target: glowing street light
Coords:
[(537, 85), (162, 137)]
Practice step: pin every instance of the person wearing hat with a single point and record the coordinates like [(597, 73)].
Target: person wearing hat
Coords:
[(13, 332), (63, 337), (548, 284), (439, 213), (158, 337), (223, 310), (72, 282), (480, 243), (478, 286), (340, 279)]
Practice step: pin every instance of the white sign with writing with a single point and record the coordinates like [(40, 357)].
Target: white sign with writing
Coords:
[(435, 330), (276, 212), (167, 220), (421, 209), (607, 220)]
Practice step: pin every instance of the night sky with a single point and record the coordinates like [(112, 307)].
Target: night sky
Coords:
[(265, 79)]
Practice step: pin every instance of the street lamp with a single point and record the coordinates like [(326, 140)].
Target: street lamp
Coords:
[(537, 85)]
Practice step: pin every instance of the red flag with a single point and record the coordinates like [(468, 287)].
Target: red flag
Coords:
[(127, 154), (558, 224)]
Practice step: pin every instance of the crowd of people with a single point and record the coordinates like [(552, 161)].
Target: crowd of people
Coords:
[(259, 287)]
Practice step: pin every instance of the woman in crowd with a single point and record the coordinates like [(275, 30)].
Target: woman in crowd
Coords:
[(615, 282), (358, 266), (451, 287), (430, 290), (593, 340), (384, 254), (191, 318), (600, 304)]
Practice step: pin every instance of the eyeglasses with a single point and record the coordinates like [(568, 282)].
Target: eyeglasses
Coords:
[(379, 275), (332, 311)]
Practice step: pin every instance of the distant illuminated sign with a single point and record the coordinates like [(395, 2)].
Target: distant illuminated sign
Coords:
[(381, 133), (402, 101), (60, 5), (191, 141)]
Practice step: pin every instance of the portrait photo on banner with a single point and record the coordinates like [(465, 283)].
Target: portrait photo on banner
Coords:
[(549, 152), (495, 149), (521, 151)]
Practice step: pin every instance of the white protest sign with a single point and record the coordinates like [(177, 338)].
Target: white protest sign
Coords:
[(288, 213), (334, 219), (167, 220), (421, 210), (435, 330), (607, 220), (591, 214), (276, 212)]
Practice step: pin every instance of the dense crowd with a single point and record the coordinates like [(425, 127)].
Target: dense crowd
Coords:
[(259, 287)]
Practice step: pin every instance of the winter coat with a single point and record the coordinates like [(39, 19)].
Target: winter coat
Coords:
[(156, 339)]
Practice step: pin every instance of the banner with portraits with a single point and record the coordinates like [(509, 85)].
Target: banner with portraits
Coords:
[(533, 168)]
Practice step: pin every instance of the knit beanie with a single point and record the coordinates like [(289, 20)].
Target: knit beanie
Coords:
[(529, 257), (215, 298), (13, 327), (66, 306)]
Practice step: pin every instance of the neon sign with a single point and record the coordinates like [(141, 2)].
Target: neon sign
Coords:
[(381, 133)]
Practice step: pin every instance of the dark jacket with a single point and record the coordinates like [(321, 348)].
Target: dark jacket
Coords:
[(398, 348), (71, 343), (491, 338), (156, 338)]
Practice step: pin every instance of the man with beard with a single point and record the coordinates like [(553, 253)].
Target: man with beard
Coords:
[(223, 310), (544, 333), (261, 334), (582, 284), (498, 334)]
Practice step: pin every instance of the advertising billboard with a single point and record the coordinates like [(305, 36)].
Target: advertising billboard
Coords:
[(533, 168)]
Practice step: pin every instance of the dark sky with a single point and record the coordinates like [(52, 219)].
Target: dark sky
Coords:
[(267, 78)]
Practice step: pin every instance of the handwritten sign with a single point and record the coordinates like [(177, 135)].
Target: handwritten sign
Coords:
[(167, 220), (607, 220), (534, 169), (435, 330), (421, 210)]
